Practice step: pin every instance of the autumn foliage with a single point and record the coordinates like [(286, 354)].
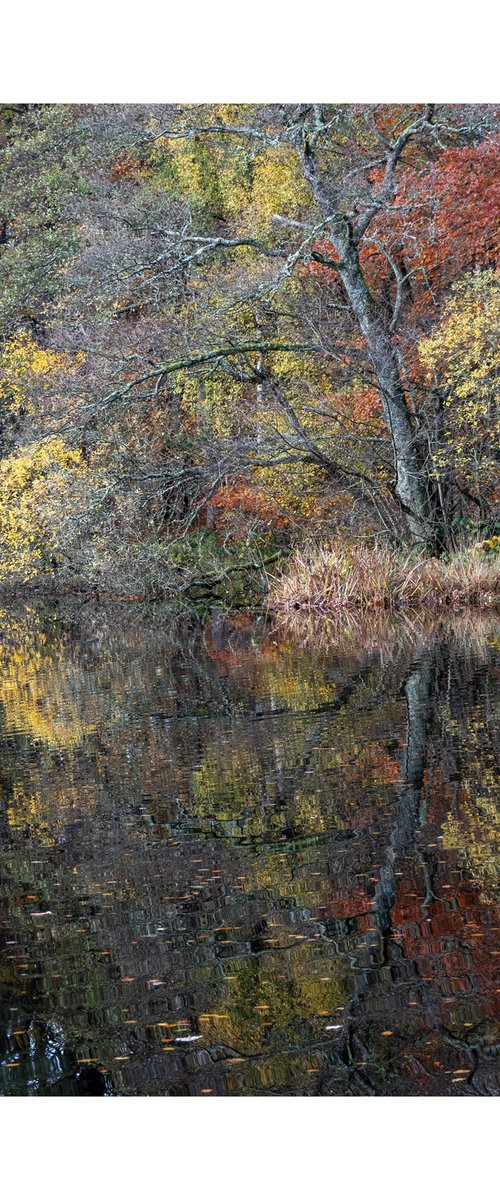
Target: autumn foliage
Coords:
[(233, 351)]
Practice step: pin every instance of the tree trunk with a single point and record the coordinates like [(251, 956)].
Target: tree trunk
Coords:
[(374, 323), (410, 480)]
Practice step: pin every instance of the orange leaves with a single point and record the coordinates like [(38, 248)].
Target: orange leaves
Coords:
[(239, 503), (466, 185), (442, 222), (365, 404), (125, 166), (323, 249)]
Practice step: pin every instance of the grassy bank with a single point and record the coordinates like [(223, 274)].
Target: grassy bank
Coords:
[(339, 577)]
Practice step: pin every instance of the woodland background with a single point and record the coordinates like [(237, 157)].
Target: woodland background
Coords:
[(231, 330)]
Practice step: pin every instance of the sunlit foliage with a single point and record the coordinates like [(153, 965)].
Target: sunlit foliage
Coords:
[(462, 357), (43, 488)]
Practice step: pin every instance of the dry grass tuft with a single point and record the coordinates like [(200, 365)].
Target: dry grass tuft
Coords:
[(338, 577)]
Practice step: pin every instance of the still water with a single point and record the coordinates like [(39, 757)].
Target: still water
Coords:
[(241, 860)]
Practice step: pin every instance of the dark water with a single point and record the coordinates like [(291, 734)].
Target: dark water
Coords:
[(242, 862)]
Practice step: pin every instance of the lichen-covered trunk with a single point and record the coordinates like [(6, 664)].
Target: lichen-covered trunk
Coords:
[(411, 490), (375, 325)]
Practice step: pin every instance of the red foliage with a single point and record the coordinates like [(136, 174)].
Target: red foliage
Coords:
[(125, 165), (443, 222), (235, 506), (366, 405), (320, 271)]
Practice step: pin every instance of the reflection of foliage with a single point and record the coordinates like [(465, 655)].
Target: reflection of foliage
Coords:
[(43, 813), (48, 701), (45, 695), (270, 1000), (295, 687), (253, 947), (267, 778), (477, 836), (225, 786), (473, 827)]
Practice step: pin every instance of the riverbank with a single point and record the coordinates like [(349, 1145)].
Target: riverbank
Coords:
[(319, 578), (336, 578)]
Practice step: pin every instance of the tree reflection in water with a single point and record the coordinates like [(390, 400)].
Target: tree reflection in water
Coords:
[(246, 860)]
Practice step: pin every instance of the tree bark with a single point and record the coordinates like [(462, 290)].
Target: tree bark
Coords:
[(410, 485), (374, 323)]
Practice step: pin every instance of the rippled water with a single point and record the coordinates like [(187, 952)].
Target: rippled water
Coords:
[(244, 861)]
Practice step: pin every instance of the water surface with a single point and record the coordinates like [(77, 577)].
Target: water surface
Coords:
[(245, 861)]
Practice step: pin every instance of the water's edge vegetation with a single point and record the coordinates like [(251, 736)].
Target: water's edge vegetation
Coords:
[(325, 577), (338, 577)]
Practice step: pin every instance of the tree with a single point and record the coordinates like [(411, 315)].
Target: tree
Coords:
[(365, 172)]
